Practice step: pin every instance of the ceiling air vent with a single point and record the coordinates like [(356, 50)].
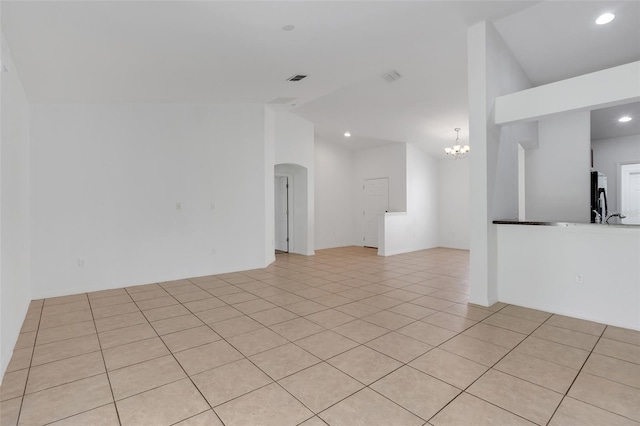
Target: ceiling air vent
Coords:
[(391, 76), (296, 77)]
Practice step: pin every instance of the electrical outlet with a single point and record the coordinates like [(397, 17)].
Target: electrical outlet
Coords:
[(80, 263), (579, 279)]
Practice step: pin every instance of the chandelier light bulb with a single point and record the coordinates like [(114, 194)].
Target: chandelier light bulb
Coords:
[(457, 151)]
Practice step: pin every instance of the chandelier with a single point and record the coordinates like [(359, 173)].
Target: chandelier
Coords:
[(457, 151)]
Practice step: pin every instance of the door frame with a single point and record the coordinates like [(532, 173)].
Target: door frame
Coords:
[(364, 202), (290, 208)]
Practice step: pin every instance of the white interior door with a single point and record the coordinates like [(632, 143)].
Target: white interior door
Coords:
[(281, 202), (376, 202), (630, 193)]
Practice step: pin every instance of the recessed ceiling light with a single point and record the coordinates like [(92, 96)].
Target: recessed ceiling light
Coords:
[(347, 134), (624, 119), (605, 18), (288, 28)]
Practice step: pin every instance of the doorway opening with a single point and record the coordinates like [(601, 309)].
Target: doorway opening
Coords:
[(630, 193), (376, 203), (281, 213), (291, 196)]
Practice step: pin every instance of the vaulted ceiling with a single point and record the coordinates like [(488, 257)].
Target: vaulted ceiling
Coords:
[(238, 52)]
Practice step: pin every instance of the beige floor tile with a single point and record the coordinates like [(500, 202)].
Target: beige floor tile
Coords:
[(614, 369), (358, 310), (364, 364), (65, 400), (419, 393), (13, 384), (30, 325), (525, 399), (267, 406), (574, 412), (388, 320), (306, 307), (65, 319), (476, 350), (297, 328), (26, 340), (65, 332), (554, 352), (433, 303), (141, 377), (576, 324), (257, 341), (608, 395), (496, 335), (356, 294), (181, 287), (110, 300), (107, 293), (110, 311), (332, 300), (142, 288), (566, 337), (9, 411), (449, 321), (101, 416), (253, 306), (146, 295), (51, 301), (204, 304), (65, 308), (273, 316), (193, 296), (399, 346), (65, 349), (283, 361), (185, 339), (230, 381), (67, 370), (526, 313), (171, 325), (235, 326), (120, 321), (361, 331), (535, 370), (122, 336), (165, 405), (208, 418), (313, 421), (402, 295), (622, 335), (381, 301), (516, 324), (419, 288), (450, 368), (368, 408), (234, 298), (468, 410), (412, 311), (427, 333), (326, 344), (620, 350), (279, 297), (156, 302), (451, 296), (330, 318), (223, 290), (206, 357), (320, 386), (165, 312), (133, 353)]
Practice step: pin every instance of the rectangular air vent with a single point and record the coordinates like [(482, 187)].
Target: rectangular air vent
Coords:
[(391, 76), (296, 77)]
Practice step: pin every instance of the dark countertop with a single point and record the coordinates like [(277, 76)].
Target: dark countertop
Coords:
[(534, 223)]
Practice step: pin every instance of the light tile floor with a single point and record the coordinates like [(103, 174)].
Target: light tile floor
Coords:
[(341, 338)]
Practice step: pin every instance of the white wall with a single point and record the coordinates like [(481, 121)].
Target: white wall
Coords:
[(417, 229), (334, 177), (557, 172), (15, 292), (384, 161), (294, 145), (541, 273), (453, 203), (492, 72), (106, 179), (608, 155)]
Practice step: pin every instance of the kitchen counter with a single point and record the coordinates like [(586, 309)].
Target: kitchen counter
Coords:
[(565, 224)]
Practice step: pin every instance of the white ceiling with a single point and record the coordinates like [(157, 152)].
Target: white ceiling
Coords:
[(236, 52), (605, 124)]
